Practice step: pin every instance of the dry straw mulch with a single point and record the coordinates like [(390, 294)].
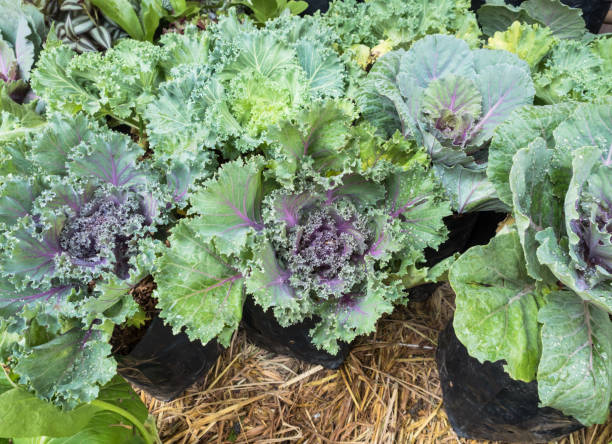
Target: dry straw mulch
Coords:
[(386, 392)]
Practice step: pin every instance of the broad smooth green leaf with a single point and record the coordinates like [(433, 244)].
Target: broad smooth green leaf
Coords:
[(498, 17), (122, 13), (151, 12), (497, 306), (23, 414), (564, 21), (557, 259), (589, 125), (197, 288), (297, 6), (118, 416), (469, 190), (575, 371)]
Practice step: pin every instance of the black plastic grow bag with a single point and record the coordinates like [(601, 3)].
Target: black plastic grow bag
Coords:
[(164, 364), (593, 11), (264, 331), (483, 402), (460, 227)]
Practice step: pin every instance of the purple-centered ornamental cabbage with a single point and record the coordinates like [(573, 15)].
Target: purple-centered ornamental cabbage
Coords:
[(323, 235), (77, 212), (451, 99)]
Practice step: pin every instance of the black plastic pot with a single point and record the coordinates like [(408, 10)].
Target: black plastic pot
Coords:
[(264, 331), (484, 229), (317, 5), (483, 402), (593, 11), (460, 227), (164, 364)]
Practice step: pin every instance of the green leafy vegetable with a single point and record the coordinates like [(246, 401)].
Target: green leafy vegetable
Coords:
[(310, 238), (543, 304), (76, 207), (450, 99), (264, 10), (564, 22)]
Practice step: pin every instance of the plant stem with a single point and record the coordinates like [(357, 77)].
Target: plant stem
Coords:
[(149, 439)]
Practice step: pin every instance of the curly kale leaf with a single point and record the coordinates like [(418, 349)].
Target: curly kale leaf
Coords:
[(576, 71), (119, 83), (530, 42), (69, 368), (230, 205), (198, 288), (369, 29), (241, 81)]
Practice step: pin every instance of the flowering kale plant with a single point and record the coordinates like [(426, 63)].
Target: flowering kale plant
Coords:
[(75, 210), (450, 99), (543, 305), (316, 237)]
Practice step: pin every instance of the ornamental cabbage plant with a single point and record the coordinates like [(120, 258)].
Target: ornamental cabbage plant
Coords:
[(544, 304), (228, 84), (319, 235), (367, 30), (201, 97), (77, 210), (564, 21), (576, 71), (450, 99)]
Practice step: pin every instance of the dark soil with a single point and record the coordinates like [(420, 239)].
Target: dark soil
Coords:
[(125, 338)]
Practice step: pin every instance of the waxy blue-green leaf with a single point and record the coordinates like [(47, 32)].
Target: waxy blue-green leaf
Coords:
[(469, 190), (564, 21), (534, 203), (523, 126)]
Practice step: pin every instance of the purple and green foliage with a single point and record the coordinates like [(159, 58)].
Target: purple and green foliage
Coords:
[(309, 239), (450, 99), (75, 210)]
